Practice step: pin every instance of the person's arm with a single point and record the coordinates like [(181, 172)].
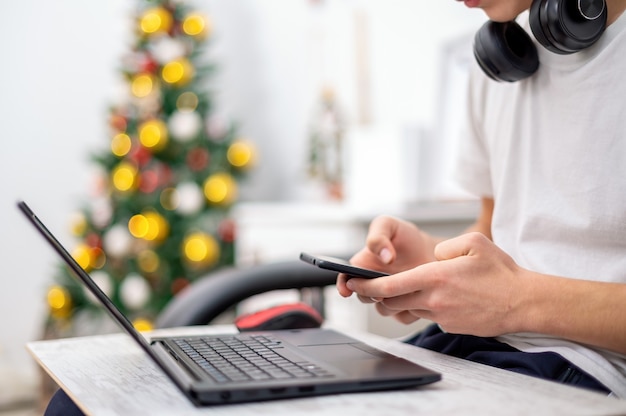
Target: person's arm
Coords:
[(584, 311), (485, 215), (506, 298), (472, 287), (475, 288), (587, 312)]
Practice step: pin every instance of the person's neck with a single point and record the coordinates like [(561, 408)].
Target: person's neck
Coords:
[(615, 8)]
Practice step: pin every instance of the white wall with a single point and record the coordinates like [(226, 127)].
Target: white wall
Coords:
[(57, 66), (58, 73)]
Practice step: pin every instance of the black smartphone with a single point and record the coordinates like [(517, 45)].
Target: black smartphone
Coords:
[(340, 265)]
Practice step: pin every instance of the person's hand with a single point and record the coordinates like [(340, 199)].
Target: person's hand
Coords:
[(392, 246), (474, 288)]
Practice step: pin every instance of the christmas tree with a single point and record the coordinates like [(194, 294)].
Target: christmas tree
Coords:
[(169, 175)]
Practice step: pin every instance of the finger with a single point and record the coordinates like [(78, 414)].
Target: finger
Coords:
[(367, 259), (385, 311), (394, 285), (404, 317), (381, 232), (343, 290), (366, 299), (417, 302), (463, 245)]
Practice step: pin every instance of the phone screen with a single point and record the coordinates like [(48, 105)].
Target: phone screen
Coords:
[(340, 265)]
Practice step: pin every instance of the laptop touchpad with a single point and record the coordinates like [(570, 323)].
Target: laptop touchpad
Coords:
[(342, 352)]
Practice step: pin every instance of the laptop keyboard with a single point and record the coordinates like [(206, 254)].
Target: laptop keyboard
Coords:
[(246, 358)]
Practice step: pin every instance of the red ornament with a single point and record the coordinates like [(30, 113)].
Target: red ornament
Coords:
[(165, 175), (179, 284), (148, 181), (148, 65), (118, 122), (198, 159), (227, 230), (139, 155), (93, 240)]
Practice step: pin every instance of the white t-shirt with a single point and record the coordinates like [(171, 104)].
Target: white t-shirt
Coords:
[(551, 151)]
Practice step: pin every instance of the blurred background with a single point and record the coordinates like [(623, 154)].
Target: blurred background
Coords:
[(393, 70)]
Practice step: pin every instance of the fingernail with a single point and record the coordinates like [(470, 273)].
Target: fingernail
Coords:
[(350, 285), (385, 255)]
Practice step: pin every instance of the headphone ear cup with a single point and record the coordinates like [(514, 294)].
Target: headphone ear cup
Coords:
[(537, 28), (567, 26), (505, 52)]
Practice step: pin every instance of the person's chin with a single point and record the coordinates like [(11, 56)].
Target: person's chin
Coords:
[(500, 16), (496, 12)]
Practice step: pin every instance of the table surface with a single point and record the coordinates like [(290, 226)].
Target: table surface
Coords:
[(111, 375)]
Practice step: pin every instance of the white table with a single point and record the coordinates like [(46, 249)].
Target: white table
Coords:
[(111, 375)]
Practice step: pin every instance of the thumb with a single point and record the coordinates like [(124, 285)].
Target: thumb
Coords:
[(463, 245), (381, 232), (386, 254)]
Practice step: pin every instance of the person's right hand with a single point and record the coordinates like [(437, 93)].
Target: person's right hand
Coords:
[(392, 245)]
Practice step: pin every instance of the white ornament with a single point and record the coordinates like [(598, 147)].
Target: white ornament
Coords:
[(188, 198), (165, 49), (134, 291), (184, 125), (117, 241), (104, 283), (216, 128), (101, 211)]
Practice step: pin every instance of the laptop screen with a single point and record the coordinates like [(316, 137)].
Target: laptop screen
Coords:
[(85, 278)]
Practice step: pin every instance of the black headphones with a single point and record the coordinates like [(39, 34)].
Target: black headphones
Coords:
[(506, 52)]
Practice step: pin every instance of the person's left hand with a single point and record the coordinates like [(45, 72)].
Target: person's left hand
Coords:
[(473, 288)]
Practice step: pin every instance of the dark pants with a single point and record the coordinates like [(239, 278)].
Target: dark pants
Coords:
[(61, 405), (546, 365)]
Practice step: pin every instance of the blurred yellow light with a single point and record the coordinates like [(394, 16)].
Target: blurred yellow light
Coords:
[(239, 154), (124, 177), (220, 188), (141, 85), (153, 134), (138, 226), (82, 255), (195, 25), (156, 20), (149, 225), (143, 325), (201, 249), (78, 225), (120, 144), (187, 101), (97, 258), (148, 261), (168, 199), (58, 298), (153, 228), (177, 72), (157, 227)]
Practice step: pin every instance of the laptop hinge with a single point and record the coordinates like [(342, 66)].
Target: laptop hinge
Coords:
[(168, 358)]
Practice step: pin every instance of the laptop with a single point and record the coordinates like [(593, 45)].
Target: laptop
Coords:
[(263, 365)]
